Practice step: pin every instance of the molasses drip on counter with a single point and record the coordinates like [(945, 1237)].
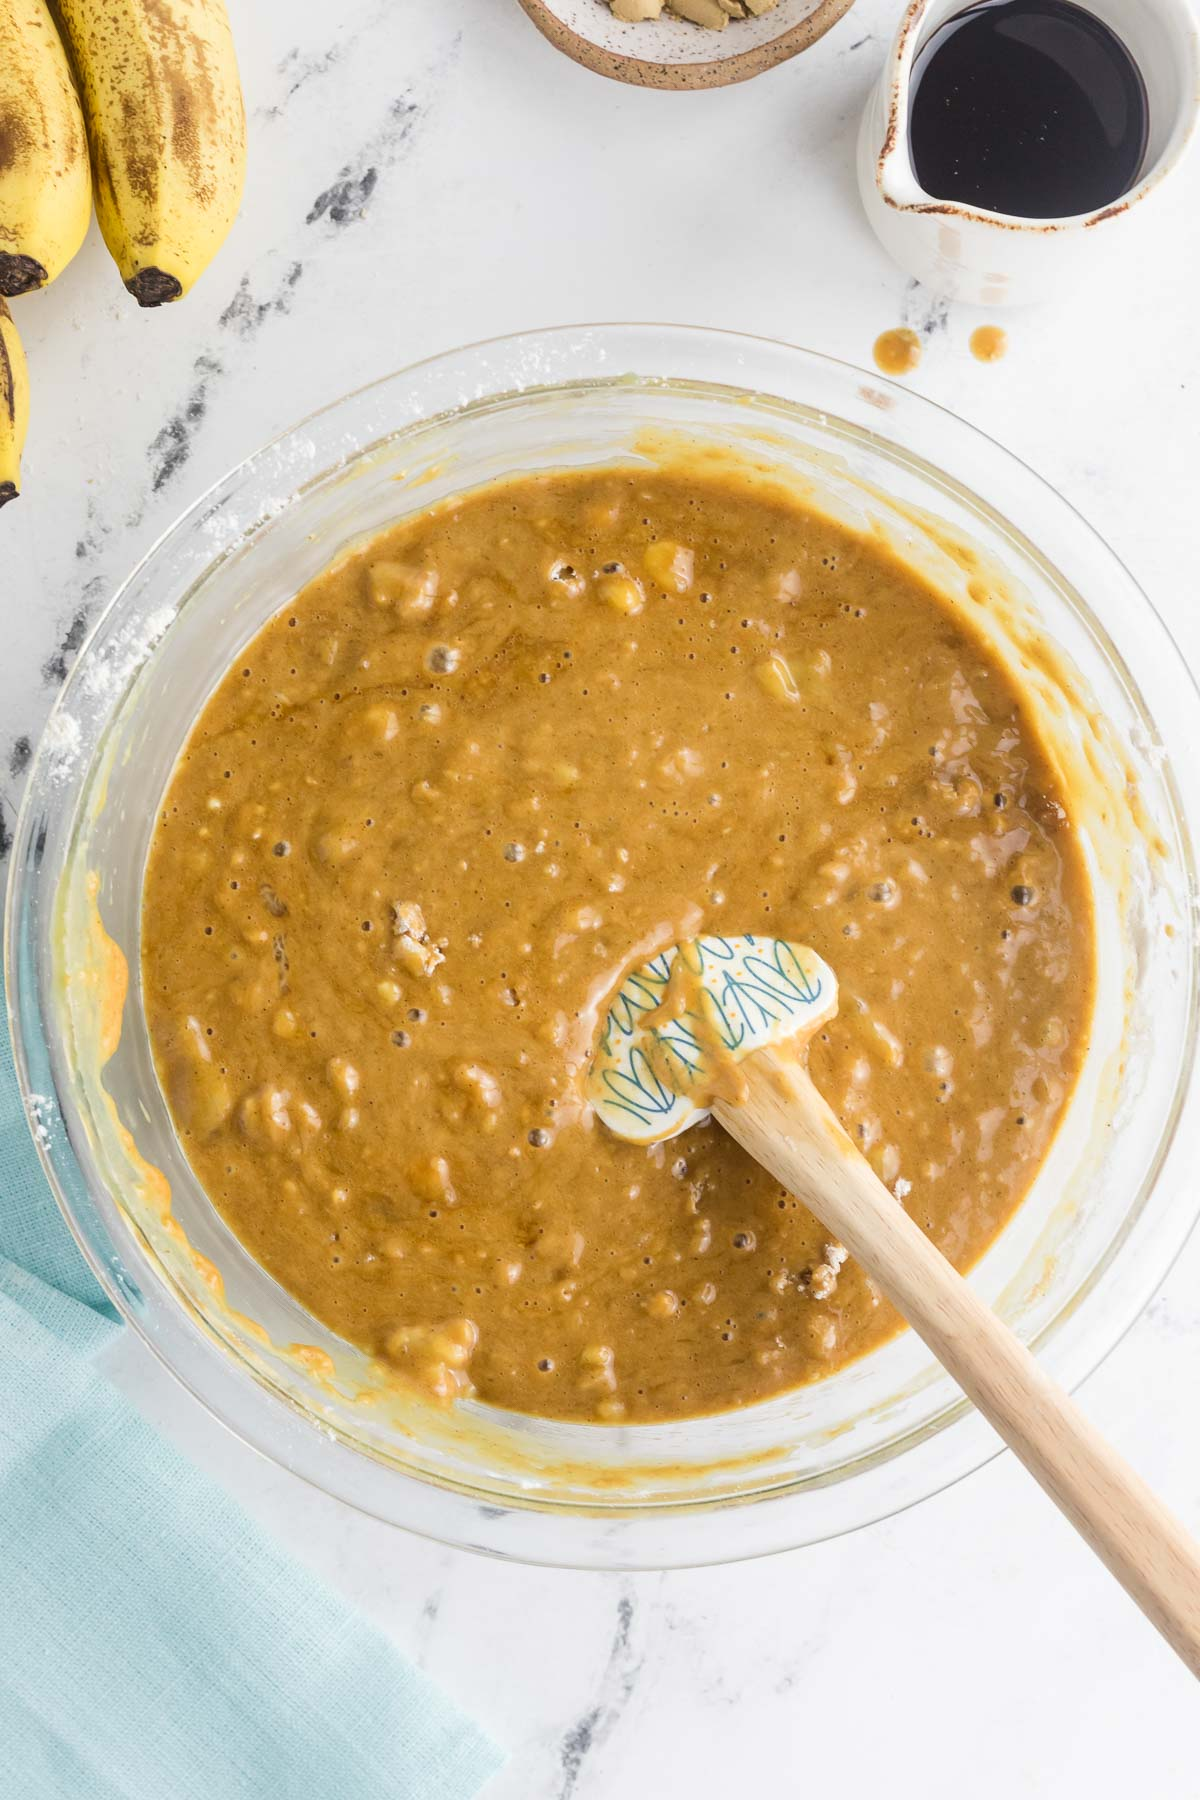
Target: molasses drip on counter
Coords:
[(1033, 108)]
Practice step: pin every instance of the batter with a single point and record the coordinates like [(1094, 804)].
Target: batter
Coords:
[(472, 774)]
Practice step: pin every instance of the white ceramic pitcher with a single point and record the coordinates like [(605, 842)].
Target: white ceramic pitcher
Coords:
[(992, 259)]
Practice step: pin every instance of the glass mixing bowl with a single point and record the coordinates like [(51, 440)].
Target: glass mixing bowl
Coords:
[(1082, 1255)]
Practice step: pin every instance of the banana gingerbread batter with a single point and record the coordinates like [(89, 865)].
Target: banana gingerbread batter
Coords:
[(474, 772)]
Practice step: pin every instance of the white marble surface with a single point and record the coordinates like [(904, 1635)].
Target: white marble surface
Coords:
[(425, 175)]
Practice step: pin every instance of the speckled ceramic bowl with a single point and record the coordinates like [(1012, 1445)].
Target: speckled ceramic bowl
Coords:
[(1069, 1273), (672, 53)]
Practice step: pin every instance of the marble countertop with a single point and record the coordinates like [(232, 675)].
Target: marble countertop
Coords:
[(426, 175)]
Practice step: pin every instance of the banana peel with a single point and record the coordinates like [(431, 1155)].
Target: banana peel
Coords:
[(14, 406), (45, 181), (167, 129)]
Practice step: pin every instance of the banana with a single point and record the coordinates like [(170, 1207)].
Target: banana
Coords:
[(167, 131), (45, 190), (14, 406)]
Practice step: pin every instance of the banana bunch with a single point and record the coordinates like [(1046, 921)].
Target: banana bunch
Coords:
[(137, 105)]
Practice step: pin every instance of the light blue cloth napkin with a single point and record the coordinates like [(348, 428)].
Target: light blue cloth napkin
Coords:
[(154, 1643)]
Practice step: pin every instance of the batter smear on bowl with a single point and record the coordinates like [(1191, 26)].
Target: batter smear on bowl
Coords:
[(477, 771)]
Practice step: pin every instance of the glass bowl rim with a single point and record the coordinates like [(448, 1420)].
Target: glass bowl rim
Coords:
[(974, 1444)]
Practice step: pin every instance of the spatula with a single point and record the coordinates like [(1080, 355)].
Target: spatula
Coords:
[(720, 1026)]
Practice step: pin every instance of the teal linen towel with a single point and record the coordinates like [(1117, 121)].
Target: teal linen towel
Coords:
[(154, 1643)]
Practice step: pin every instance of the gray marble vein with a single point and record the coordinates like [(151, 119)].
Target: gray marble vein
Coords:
[(344, 201), (926, 313), (612, 1694), (245, 315), (171, 446), (57, 664), (298, 67)]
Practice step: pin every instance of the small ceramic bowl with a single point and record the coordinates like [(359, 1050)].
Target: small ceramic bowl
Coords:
[(672, 53)]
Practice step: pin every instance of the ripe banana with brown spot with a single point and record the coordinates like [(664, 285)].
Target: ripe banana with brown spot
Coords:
[(167, 130), (14, 406), (45, 187)]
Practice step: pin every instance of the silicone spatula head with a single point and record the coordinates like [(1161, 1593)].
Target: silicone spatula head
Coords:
[(674, 1035)]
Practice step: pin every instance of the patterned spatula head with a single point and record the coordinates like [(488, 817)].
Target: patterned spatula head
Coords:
[(673, 1037)]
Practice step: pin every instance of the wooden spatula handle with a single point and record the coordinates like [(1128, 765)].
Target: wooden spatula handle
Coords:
[(786, 1126)]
